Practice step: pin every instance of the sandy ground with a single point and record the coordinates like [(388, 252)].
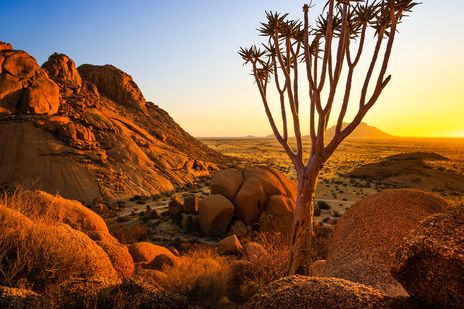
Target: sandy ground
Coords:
[(335, 188)]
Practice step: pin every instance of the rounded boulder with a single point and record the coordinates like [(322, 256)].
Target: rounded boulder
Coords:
[(215, 214), (278, 215), (314, 292), (363, 245), (258, 185), (145, 252), (227, 183), (430, 262)]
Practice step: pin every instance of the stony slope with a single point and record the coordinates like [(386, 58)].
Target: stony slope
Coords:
[(88, 132)]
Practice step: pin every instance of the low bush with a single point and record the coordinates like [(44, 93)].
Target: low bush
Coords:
[(202, 277)]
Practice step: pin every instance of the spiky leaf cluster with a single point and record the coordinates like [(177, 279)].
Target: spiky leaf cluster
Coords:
[(282, 32)]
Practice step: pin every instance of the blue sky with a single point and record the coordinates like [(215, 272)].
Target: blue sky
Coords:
[(183, 55)]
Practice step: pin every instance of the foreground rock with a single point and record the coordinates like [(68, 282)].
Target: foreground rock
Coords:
[(139, 293), (86, 137), (314, 292), (430, 263), (146, 252), (53, 209), (56, 209), (50, 247), (363, 245), (117, 253), (12, 298)]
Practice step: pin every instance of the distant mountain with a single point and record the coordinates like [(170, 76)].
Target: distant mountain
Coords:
[(362, 131)]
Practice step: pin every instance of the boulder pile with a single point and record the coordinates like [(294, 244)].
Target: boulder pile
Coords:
[(240, 200)]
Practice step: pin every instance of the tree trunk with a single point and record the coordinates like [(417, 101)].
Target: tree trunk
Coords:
[(302, 236)]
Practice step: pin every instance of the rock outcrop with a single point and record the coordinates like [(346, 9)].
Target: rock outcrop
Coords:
[(24, 86), (363, 245), (114, 84), (314, 292), (227, 183), (89, 133), (230, 246), (278, 215), (63, 71), (430, 262)]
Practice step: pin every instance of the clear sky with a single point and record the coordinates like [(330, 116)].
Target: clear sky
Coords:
[(183, 55)]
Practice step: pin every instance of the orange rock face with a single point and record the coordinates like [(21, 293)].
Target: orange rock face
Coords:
[(253, 195), (114, 84), (103, 139), (25, 86), (62, 70), (5, 46), (42, 96)]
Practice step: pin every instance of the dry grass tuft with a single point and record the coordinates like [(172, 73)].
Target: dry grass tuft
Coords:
[(129, 234), (202, 277), (36, 254), (255, 272)]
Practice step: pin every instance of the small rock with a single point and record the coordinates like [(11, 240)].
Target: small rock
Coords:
[(254, 249), (175, 206), (230, 246), (191, 204)]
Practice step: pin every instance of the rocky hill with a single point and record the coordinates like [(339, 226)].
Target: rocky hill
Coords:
[(362, 131), (88, 132)]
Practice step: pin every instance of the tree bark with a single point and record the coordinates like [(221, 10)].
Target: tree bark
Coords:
[(302, 236)]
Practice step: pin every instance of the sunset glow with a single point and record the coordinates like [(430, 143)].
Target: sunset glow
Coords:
[(183, 56)]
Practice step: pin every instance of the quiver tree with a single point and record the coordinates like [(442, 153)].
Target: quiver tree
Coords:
[(335, 43)]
